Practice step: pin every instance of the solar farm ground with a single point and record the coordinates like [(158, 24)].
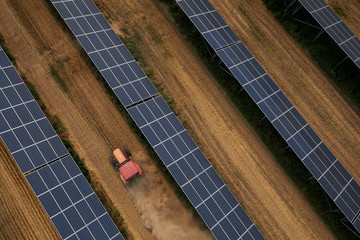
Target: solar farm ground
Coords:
[(150, 208)]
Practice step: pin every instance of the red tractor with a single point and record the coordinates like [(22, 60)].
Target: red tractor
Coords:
[(128, 169)]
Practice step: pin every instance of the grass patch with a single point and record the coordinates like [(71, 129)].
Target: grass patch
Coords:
[(339, 11), (255, 30), (131, 41), (59, 80), (267, 133)]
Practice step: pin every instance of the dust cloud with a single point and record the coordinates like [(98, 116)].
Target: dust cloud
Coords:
[(162, 213)]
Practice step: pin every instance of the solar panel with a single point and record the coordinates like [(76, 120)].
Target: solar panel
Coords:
[(192, 171), (62, 189), (335, 27), (302, 139), (209, 22), (357, 223), (106, 50)]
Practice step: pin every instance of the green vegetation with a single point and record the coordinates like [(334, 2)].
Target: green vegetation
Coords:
[(131, 41), (339, 11), (278, 147), (59, 80), (324, 51), (155, 37), (255, 30)]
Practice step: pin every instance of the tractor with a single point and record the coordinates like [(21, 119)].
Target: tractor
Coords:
[(128, 169)]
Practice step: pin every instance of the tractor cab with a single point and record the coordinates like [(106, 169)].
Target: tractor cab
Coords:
[(127, 168)]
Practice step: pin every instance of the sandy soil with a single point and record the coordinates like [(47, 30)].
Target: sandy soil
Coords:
[(267, 194), (21, 214), (95, 127)]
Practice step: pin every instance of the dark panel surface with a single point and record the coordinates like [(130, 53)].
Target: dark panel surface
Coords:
[(197, 178), (55, 178), (158, 123), (302, 139), (335, 27), (106, 50)]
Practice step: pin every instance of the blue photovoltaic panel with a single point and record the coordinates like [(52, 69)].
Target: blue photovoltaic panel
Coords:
[(70, 202), (106, 50), (192, 171), (54, 176), (24, 128), (335, 27), (302, 139), (209, 22), (357, 223)]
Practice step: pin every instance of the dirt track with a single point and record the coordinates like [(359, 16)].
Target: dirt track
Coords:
[(21, 214), (270, 198)]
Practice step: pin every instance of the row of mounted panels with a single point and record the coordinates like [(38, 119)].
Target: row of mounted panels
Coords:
[(302, 139), (197, 178), (335, 27), (107, 51), (62, 189), (192, 171)]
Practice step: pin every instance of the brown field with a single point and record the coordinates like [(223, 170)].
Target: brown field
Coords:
[(150, 208)]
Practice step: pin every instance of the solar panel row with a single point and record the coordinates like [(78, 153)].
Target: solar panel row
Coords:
[(187, 164), (192, 171), (106, 50), (58, 183), (357, 222), (307, 145), (209, 22), (335, 27)]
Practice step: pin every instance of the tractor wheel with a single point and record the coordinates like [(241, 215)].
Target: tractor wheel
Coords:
[(127, 151), (112, 161)]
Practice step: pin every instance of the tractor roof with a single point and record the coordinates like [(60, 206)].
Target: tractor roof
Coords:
[(119, 155)]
